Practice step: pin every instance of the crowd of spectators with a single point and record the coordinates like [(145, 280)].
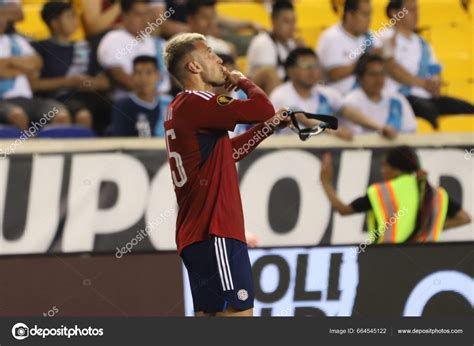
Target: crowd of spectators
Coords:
[(114, 81)]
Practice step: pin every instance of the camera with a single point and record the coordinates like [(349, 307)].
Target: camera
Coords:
[(21, 331)]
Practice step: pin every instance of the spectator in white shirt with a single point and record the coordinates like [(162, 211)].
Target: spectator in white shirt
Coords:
[(416, 57), (339, 46), (120, 47), (302, 92), (386, 108), (268, 51)]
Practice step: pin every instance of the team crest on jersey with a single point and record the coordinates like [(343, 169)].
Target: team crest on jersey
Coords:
[(224, 100)]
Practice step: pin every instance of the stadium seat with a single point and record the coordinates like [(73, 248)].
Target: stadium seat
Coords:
[(452, 41), (9, 132), (438, 12), (423, 126), (457, 69), (460, 89), (314, 17), (242, 64), (33, 26), (310, 34), (316, 13), (66, 131), (456, 123), (247, 11), (379, 18)]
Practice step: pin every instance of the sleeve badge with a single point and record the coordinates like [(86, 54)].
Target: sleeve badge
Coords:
[(224, 100)]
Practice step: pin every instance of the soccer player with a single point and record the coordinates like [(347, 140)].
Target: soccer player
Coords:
[(210, 225)]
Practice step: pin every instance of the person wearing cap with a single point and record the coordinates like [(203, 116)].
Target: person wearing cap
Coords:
[(402, 208)]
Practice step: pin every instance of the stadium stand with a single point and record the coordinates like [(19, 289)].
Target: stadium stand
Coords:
[(66, 131), (424, 126), (9, 132), (450, 34), (456, 124), (34, 27)]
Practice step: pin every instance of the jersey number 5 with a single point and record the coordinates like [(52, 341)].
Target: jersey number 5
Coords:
[(179, 162)]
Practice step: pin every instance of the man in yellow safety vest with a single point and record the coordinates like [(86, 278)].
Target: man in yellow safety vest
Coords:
[(404, 207)]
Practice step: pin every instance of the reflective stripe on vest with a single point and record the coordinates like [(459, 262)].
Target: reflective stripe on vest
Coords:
[(386, 194), (439, 208), (389, 200)]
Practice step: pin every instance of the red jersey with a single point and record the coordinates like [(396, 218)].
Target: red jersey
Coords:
[(202, 159)]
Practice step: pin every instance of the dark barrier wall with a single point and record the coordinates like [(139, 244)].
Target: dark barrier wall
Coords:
[(428, 281), (85, 285), (124, 202), (384, 281)]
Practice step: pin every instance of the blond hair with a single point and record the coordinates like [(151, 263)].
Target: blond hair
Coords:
[(177, 48)]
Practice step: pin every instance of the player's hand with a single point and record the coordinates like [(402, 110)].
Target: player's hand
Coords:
[(388, 132), (252, 240), (326, 169), (232, 79), (280, 120)]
